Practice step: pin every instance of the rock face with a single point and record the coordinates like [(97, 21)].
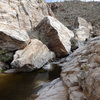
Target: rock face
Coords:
[(83, 29), (55, 35), (24, 14), (12, 38), (17, 20), (81, 72), (54, 91), (80, 77), (91, 84), (35, 55)]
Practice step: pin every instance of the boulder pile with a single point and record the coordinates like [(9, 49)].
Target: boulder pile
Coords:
[(29, 30), (30, 37)]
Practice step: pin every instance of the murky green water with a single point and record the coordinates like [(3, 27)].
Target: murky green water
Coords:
[(23, 86)]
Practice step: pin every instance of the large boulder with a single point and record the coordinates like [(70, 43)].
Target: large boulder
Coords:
[(83, 29), (81, 72), (35, 55), (12, 38), (54, 91), (55, 35)]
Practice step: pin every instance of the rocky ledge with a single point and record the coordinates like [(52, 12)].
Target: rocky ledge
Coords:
[(80, 75)]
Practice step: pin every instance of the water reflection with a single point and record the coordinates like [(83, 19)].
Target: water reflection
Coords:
[(23, 86)]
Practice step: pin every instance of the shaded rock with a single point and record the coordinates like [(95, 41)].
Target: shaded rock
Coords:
[(12, 38), (35, 55), (10, 71), (55, 35), (6, 56), (74, 44), (3, 66), (81, 70), (54, 91), (83, 29)]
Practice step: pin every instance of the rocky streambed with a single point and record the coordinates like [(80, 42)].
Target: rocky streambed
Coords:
[(24, 86), (48, 60)]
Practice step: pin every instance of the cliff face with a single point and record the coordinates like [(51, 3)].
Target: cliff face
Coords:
[(67, 12), (23, 14)]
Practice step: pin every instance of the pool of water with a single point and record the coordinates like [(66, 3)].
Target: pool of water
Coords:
[(23, 86)]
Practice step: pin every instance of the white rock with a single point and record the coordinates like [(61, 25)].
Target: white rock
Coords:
[(35, 55), (12, 38), (83, 30), (54, 91), (55, 35), (24, 14)]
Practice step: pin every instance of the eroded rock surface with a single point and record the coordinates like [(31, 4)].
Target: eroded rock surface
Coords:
[(24, 14), (18, 18), (83, 29), (54, 91), (81, 72), (35, 55), (12, 38), (55, 35)]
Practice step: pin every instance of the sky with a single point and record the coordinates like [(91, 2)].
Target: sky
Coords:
[(63, 0)]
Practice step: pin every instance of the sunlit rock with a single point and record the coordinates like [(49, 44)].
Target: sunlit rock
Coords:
[(81, 70), (55, 35), (54, 91), (35, 55), (83, 29)]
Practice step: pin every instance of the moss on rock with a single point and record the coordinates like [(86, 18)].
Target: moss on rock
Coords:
[(5, 56)]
